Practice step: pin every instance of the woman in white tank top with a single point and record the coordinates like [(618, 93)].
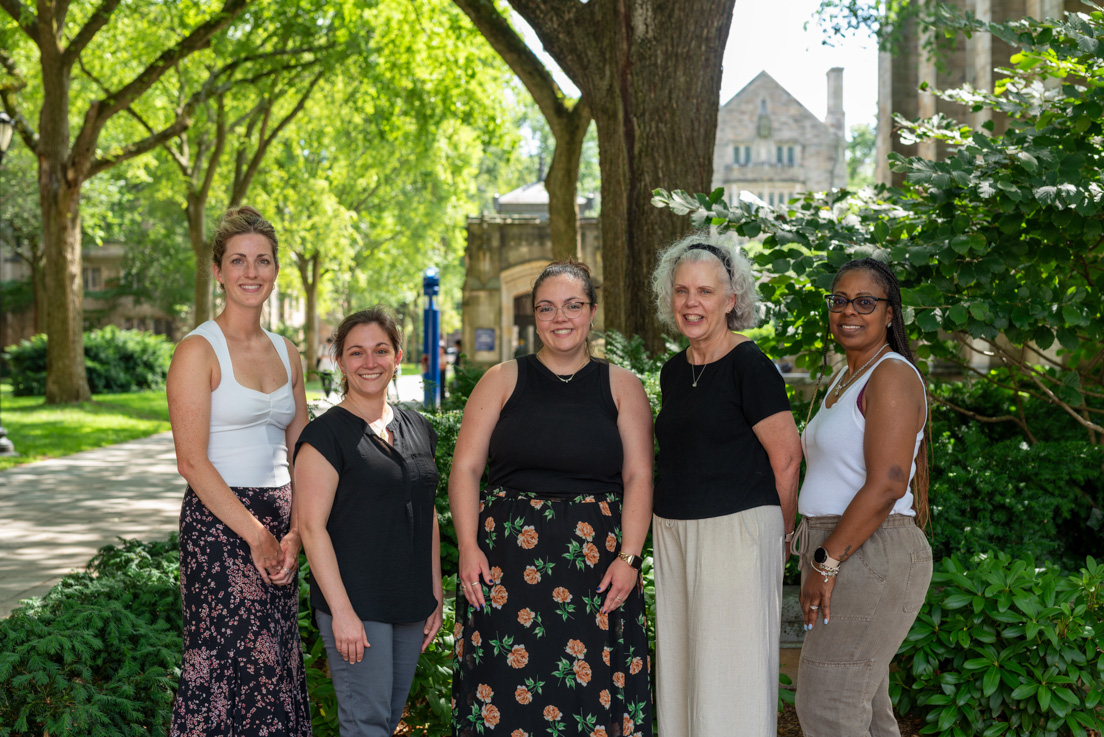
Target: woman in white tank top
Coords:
[(237, 403), (865, 561)]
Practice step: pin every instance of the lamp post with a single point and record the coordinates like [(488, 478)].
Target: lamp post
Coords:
[(431, 328), (7, 127)]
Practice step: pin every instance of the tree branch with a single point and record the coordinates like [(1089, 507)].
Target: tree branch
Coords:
[(520, 58), (137, 148), (216, 152), (84, 36), (24, 17), (11, 105), (982, 418)]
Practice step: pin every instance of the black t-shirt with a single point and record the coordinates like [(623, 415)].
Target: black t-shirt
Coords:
[(381, 523), (710, 461), (557, 438)]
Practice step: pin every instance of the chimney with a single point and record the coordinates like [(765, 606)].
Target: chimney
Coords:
[(834, 119)]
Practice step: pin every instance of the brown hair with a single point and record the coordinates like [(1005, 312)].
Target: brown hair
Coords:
[(379, 315), (240, 221), (572, 268)]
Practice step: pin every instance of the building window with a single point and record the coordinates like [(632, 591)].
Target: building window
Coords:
[(736, 155), (93, 278), (789, 156), (778, 155), (770, 199), (747, 155)]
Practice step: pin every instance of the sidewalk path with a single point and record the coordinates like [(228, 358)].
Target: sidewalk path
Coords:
[(55, 514)]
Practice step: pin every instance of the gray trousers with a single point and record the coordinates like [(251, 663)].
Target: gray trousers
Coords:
[(843, 678), (371, 694)]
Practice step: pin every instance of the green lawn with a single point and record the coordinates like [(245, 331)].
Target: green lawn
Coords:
[(41, 432)]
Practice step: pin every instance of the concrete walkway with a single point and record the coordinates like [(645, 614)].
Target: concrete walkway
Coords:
[(55, 514)]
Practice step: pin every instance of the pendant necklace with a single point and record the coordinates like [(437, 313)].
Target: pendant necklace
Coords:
[(695, 378), (569, 378), (840, 387)]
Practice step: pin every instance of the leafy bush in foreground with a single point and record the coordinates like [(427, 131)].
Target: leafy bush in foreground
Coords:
[(1005, 648)]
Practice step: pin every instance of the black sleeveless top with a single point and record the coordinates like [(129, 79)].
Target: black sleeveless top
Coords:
[(555, 438)]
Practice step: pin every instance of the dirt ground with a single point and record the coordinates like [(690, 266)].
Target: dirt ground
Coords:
[(788, 726)]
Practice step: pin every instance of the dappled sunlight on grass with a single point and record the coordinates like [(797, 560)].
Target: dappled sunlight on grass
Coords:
[(40, 431)]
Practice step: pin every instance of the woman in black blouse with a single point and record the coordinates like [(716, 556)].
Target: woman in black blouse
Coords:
[(366, 478), (724, 501)]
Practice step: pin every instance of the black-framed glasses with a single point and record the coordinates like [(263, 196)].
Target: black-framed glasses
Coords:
[(570, 310), (863, 305)]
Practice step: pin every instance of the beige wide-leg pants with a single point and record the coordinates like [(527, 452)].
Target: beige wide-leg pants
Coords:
[(843, 678), (718, 609)]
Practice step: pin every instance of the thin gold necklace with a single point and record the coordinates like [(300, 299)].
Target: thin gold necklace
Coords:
[(840, 387), (569, 378)]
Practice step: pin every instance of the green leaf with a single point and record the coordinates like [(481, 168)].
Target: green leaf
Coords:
[(957, 315)]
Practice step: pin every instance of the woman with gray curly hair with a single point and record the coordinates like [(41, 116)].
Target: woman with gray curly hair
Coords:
[(725, 499)]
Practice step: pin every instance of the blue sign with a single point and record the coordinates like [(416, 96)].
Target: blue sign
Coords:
[(484, 339)]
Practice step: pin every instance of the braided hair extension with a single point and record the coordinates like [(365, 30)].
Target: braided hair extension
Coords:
[(899, 342)]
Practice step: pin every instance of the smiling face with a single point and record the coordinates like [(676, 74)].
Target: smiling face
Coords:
[(699, 300), (368, 359), (248, 269), (860, 333), (563, 333)]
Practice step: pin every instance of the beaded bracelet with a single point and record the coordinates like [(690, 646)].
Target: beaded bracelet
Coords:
[(826, 572)]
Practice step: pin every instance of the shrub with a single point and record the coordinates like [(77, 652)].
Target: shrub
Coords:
[(117, 361), (1005, 648), (100, 653), (1040, 501)]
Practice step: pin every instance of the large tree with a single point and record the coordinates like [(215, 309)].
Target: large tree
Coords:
[(568, 121), (145, 43), (650, 71)]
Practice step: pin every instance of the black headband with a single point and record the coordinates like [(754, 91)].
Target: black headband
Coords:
[(715, 251)]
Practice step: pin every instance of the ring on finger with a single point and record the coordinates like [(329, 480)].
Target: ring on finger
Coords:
[(814, 608)]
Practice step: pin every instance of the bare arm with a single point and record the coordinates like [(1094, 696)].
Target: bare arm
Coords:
[(634, 424), (434, 622), (894, 410), (193, 375), (778, 435), (316, 485), (289, 545), (468, 461)]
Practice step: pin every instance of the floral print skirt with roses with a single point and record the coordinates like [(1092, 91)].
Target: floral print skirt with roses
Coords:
[(540, 658)]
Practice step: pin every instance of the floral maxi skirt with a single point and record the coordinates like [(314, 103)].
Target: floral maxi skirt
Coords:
[(540, 659), (243, 662)]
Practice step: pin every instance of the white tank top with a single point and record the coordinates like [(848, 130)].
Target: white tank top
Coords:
[(247, 445), (833, 446)]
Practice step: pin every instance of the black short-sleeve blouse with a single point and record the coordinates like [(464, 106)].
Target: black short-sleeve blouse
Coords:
[(381, 523)]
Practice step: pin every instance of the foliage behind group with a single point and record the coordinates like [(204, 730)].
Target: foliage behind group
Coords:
[(118, 361)]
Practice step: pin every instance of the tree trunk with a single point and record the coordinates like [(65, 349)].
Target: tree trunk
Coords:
[(197, 232), (656, 117), (59, 197), (308, 277), (66, 380), (38, 284), (562, 184)]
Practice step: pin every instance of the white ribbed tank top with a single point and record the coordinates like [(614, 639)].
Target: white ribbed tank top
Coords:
[(833, 447), (247, 445)]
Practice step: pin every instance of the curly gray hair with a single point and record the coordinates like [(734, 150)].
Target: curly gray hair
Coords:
[(740, 281)]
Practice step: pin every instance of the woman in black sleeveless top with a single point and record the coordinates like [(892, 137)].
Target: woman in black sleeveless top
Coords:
[(551, 636)]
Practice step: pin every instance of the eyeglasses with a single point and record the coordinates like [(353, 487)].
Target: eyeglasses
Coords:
[(863, 305), (570, 310)]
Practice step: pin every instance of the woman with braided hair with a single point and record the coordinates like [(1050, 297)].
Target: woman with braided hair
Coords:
[(865, 561)]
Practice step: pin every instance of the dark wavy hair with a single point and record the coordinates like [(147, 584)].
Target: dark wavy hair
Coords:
[(379, 315)]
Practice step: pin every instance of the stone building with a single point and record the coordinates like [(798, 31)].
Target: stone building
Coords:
[(770, 145), (506, 250), (972, 61)]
